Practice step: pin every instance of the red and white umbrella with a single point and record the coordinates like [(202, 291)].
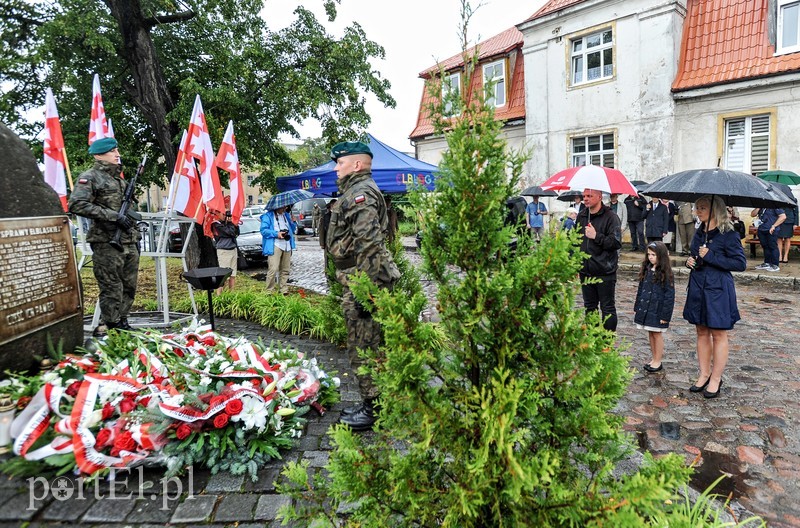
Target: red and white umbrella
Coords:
[(595, 177)]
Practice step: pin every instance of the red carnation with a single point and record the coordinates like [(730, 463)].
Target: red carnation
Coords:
[(144, 402), (221, 420), (178, 351), (103, 438), (129, 394), (208, 340), (234, 407), (183, 431), (108, 411), (127, 405), (72, 390), (125, 442)]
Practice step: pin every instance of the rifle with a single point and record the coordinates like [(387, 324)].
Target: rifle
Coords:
[(127, 202)]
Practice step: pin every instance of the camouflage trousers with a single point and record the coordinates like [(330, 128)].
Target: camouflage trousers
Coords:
[(363, 333), (116, 273)]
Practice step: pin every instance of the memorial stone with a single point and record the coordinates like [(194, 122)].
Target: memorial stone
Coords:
[(39, 289)]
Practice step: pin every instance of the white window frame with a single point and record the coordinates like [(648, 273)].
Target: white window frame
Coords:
[(500, 84), (601, 154), (606, 70), (744, 143), (450, 84), (782, 6)]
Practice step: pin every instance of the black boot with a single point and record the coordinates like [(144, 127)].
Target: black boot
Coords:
[(363, 419), (123, 324), (102, 329), (352, 409)]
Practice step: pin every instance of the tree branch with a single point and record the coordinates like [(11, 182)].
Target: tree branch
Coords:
[(168, 19)]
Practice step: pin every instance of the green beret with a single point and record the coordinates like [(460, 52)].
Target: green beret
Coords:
[(101, 146), (348, 148)]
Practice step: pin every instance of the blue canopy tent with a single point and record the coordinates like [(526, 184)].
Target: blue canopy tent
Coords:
[(393, 171)]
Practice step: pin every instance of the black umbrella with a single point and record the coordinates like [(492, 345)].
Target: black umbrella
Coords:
[(569, 196), (640, 185), (735, 188), (537, 191)]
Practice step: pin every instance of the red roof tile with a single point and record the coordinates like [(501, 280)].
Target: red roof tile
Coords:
[(513, 109), (497, 45), (552, 6), (726, 41)]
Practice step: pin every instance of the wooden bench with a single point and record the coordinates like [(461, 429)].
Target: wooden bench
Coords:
[(754, 242)]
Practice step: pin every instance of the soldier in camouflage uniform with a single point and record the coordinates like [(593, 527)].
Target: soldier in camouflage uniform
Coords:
[(98, 195), (356, 241)]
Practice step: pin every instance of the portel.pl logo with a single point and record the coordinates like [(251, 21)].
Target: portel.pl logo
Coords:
[(121, 484)]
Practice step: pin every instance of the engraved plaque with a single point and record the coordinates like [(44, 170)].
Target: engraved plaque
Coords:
[(38, 275)]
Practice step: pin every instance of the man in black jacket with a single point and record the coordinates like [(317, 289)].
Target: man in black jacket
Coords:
[(635, 206), (601, 241)]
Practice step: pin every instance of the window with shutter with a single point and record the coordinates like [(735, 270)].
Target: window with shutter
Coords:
[(747, 144)]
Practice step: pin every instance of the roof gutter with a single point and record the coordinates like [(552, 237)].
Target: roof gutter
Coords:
[(771, 81)]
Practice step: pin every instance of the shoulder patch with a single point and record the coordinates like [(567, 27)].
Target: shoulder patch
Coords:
[(360, 198), (83, 180)]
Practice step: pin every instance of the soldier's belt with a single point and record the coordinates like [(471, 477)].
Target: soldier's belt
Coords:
[(342, 264)]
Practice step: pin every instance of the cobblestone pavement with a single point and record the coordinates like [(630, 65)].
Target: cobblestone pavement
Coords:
[(750, 432)]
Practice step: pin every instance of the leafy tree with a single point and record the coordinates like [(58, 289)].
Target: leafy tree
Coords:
[(153, 56), (509, 421)]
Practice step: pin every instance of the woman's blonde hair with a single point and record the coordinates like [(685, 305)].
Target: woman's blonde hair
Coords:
[(719, 211)]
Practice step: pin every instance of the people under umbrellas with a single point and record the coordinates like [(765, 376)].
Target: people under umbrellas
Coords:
[(768, 221), (716, 251), (636, 209), (657, 216), (600, 228), (534, 217)]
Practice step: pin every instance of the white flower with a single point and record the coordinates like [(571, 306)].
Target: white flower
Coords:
[(204, 381), (336, 382), (254, 414), (174, 401), (224, 366)]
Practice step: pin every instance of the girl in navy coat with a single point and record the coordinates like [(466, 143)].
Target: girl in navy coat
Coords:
[(711, 298), (655, 300)]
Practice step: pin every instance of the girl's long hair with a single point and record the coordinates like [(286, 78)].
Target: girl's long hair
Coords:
[(662, 271)]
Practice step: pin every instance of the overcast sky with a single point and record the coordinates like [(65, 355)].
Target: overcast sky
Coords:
[(415, 34)]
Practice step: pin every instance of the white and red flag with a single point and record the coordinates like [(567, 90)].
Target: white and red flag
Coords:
[(55, 158), (98, 125), (228, 160), (199, 147), (185, 194)]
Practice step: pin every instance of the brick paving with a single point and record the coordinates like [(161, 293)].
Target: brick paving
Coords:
[(750, 432)]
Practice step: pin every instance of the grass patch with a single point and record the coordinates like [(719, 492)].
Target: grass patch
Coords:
[(301, 313)]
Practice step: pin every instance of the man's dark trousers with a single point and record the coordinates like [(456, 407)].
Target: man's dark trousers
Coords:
[(637, 235), (601, 294)]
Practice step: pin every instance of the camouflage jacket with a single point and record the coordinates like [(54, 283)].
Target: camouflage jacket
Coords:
[(356, 235), (98, 195)]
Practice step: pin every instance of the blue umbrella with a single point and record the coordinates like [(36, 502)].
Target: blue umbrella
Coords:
[(287, 198)]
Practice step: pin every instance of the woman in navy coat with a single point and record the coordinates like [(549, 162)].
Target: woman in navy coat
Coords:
[(711, 298)]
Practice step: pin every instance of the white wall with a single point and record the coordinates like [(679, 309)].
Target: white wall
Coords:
[(636, 104), (430, 150)]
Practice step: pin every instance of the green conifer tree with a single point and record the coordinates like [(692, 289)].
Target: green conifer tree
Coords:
[(506, 421)]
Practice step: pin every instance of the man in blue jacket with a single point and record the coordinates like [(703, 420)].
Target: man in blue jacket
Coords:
[(600, 227), (277, 232)]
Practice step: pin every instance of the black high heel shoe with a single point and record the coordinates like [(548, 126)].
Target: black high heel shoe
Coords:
[(695, 388), (709, 394)]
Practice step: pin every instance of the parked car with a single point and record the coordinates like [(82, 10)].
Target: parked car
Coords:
[(253, 211), (249, 242), (303, 213)]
